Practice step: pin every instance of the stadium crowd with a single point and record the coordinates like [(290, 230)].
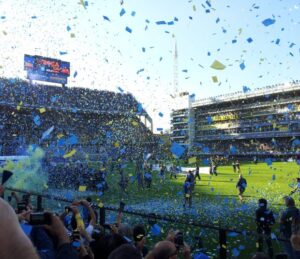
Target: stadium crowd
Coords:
[(75, 233), (93, 126), (21, 92)]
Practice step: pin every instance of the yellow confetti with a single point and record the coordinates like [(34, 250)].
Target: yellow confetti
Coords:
[(101, 205), (42, 110), (117, 144), (19, 106), (192, 160), (60, 135), (82, 188), (215, 79), (72, 35), (71, 153), (4, 32), (134, 123), (194, 8), (224, 246), (217, 65)]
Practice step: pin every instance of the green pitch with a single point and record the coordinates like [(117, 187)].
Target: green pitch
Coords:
[(215, 201)]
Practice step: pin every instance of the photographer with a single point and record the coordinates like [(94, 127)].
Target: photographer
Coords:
[(264, 220), (177, 238)]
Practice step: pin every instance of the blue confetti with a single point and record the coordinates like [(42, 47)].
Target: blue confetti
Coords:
[(155, 230), (63, 52), (246, 89), (143, 49), (242, 66), (177, 149), (106, 18), (75, 74), (161, 114), (277, 41), (128, 29), (161, 22), (33, 17), (133, 13), (218, 19), (37, 120), (235, 252), (268, 22), (140, 108), (184, 70), (139, 71), (68, 28), (120, 89), (171, 23), (122, 12), (292, 45), (234, 41), (175, 19), (249, 40)]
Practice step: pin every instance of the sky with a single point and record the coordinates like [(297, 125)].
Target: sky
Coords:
[(92, 36)]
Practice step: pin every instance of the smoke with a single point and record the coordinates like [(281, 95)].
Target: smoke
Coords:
[(28, 172)]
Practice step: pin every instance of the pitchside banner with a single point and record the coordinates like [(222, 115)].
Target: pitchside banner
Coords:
[(46, 69), (184, 170)]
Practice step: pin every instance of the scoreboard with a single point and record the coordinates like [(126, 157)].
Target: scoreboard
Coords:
[(46, 69)]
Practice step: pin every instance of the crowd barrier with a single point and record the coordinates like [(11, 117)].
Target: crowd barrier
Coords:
[(223, 233)]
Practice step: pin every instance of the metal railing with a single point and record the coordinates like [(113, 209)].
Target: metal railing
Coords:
[(222, 232)]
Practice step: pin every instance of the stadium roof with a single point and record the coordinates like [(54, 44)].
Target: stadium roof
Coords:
[(272, 89)]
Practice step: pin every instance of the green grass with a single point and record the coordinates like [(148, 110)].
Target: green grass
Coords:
[(215, 200)]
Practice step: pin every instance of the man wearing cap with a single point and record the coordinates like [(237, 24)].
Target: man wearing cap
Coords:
[(139, 236), (264, 220)]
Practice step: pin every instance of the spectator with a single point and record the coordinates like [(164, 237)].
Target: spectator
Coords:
[(139, 237), (125, 251), (288, 220), (264, 220)]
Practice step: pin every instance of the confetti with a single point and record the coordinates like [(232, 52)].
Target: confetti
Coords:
[(268, 22), (214, 79), (217, 65), (71, 153), (128, 29)]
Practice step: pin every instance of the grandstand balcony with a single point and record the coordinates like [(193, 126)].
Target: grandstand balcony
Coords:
[(256, 135)]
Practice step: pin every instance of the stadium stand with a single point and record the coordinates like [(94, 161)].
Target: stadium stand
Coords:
[(70, 124), (263, 122)]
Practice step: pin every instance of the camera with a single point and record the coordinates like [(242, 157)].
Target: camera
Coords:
[(178, 239), (21, 206), (40, 218)]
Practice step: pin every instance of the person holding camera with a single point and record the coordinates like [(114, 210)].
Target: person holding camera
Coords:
[(264, 220)]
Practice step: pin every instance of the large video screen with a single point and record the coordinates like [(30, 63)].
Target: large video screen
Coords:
[(46, 69)]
